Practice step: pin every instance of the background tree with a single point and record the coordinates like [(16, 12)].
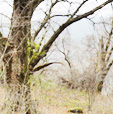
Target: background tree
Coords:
[(105, 55), (100, 46)]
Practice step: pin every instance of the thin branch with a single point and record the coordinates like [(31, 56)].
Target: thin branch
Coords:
[(92, 22), (60, 15), (5, 16), (79, 8), (36, 3), (63, 52), (42, 39), (45, 20)]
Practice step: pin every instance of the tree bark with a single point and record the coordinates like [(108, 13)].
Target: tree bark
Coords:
[(16, 56), (107, 89), (17, 69), (105, 56)]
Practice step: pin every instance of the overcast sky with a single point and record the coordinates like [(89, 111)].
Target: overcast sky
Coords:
[(77, 30)]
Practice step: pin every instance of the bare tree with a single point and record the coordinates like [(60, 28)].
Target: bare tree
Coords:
[(106, 49), (101, 48)]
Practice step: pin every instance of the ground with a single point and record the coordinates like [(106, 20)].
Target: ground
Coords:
[(55, 99)]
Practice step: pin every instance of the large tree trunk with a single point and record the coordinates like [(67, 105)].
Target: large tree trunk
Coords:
[(16, 57), (17, 68)]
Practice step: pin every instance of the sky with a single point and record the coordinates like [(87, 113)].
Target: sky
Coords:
[(77, 31), (85, 27)]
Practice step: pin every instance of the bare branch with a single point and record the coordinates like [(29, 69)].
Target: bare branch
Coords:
[(36, 3), (65, 55), (108, 43), (5, 16), (79, 7), (42, 39), (47, 46), (61, 15), (45, 65), (45, 20)]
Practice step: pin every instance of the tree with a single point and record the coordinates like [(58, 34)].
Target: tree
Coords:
[(101, 46), (22, 55), (105, 55)]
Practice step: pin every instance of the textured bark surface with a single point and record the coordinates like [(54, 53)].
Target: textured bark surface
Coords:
[(108, 83), (105, 56), (17, 67)]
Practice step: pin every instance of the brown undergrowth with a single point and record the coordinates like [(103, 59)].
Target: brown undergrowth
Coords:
[(55, 99)]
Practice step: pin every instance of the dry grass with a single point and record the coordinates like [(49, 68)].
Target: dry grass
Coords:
[(54, 99)]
